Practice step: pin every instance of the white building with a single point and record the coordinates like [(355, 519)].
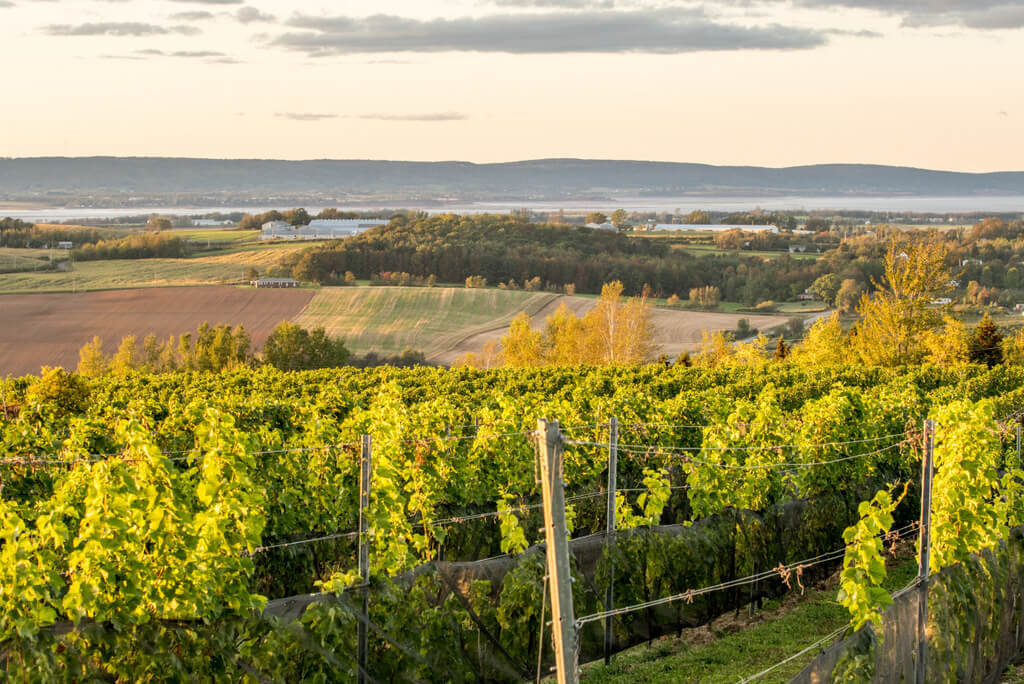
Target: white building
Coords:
[(711, 227), (319, 229), (210, 222), (607, 225)]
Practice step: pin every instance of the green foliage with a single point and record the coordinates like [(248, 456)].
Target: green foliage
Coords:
[(291, 347), (860, 583)]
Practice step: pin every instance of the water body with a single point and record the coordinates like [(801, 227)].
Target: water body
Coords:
[(938, 205)]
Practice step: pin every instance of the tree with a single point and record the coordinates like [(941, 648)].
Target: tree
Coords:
[(892, 321), (521, 346), (596, 217), (127, 356), (291, 347), (850, 292), (697, 217), (730, 239), (986, 343), (619, 218), (158, 223), (826, 287), (92, 362), (825, 344), (947, 346), (706, 297), (617, 332), (562, 342), (252, 274), (781, 349), (297, 217)]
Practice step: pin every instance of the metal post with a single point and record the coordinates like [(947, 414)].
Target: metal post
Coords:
[(365, 470), (563, 627), (927, 472), (613, 466)]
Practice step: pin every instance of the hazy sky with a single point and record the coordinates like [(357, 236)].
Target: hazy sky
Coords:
[(931, 83)]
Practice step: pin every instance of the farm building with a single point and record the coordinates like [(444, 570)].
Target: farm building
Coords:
[(607, 225), (201, 222), (274, 282), (319, 229), (711, 227)]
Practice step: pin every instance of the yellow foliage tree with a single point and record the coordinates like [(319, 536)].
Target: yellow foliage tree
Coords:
[(947, 346), (1013, 348), (893, 320), (825, 344), (521, 346), (92, 362), (562, 343)]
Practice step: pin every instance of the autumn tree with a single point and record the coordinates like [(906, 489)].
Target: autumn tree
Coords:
[(892, 320), (596, 217), (521, 346), (619, 218), (825, 344), (848, 295), (948, 345), (562, 342), (92, 362)]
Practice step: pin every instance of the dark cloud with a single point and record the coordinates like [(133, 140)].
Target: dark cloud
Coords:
[(661, 31), (976, 14), (127, 28), (248, 15), (201, 15), (306, 116)]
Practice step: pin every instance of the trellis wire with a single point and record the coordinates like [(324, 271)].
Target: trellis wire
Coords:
[(730, 584)]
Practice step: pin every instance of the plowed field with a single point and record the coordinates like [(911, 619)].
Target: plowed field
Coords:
[(49, 329)]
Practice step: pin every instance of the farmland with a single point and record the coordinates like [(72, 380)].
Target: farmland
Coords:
[(49, 329), (446, 323)]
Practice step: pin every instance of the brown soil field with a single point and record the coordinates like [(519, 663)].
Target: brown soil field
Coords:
[(675, 330), (49, 329)]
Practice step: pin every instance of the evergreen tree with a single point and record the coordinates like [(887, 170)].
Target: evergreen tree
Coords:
[(986, 343), (781, 349)]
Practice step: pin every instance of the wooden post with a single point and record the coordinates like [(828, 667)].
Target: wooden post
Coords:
[(1018, 445), (613, 466), (563, 622), (365, 470), (927, 472)]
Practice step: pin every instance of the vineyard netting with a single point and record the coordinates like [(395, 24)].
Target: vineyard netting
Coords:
[(202, 525)]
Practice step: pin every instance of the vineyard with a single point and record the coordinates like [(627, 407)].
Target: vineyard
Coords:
[(387, 524)]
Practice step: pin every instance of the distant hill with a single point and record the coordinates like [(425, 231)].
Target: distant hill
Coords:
[(536, 179)]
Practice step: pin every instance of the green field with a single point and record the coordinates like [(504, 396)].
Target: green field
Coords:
[(386, 320)]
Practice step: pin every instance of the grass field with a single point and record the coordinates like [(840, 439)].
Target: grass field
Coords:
[(389, 319), (219, 268), (447, 322)]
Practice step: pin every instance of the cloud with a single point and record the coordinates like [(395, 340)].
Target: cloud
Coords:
[(212, 2), (248, 15), (659, 31), (127, 28), (565, 4), (976, 14), (429, 116), (188, 54), (5, 3), (305, 116), (201, 15)]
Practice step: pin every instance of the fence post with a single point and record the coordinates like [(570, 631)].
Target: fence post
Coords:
[(613, 466), (563, 622), (1018, 445), (365, 469), (927, 471)]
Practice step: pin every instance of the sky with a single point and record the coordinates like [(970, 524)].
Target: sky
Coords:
[(933, 84)]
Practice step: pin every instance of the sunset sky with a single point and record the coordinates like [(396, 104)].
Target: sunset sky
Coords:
[(931, 84)]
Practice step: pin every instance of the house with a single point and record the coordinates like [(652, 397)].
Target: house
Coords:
[(64, 244), (602, 226), (942, 301), (793, 249), (319, 229), (274, 282), (210, 222), (712, 227)]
